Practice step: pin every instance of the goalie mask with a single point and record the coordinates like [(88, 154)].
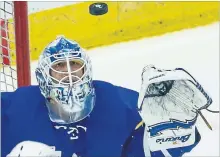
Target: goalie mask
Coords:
[(64, 75)]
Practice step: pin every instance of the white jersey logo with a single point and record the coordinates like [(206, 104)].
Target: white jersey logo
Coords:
[(73, 131), (74, 155)]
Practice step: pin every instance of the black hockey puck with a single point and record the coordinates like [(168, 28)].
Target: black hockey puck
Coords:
[(98, 8)]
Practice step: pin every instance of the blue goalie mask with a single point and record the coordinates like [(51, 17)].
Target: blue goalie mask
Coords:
[(64, 75)]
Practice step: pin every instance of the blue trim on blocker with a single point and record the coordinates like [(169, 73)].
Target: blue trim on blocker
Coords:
[(172, 124)]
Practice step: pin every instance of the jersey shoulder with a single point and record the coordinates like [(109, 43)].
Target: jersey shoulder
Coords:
[(22, 100), (117, 102), (22, 93), (129, 97), (24, 117)]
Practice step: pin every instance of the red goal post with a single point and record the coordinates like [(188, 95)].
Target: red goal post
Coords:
[(14, 45)]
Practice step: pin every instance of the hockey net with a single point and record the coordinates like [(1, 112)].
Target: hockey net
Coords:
[(14, 46)]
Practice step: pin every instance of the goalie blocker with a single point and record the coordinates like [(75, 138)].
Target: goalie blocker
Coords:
[(169, 104)]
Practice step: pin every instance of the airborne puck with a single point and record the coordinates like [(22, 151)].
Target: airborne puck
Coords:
[(98, 8)]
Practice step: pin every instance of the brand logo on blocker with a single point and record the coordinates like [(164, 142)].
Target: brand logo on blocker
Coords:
[(174, 139)]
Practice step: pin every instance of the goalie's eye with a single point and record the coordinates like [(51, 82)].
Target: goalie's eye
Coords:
[(66, 71), (62, 65), (72, 63), (59, 65)]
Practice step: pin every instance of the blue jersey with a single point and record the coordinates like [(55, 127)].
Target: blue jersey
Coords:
[(108, 131)]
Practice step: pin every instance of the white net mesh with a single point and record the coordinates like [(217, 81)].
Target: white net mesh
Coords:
[(8, 73)]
